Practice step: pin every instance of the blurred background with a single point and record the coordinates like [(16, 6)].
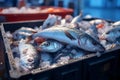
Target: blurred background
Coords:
[(107, 9)]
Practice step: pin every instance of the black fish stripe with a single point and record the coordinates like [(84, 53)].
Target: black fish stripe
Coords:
[(78, 42), (69, 35)]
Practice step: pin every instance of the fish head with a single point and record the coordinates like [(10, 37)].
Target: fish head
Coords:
[(111, 35), (96, 46), (29, 58), (50, 21), (50, 46), (91, 44)]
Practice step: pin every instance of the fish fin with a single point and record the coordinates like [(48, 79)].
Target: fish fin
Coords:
[(69, 35)]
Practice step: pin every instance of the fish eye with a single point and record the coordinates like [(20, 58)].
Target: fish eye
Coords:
[(48, 24), (47, 44), (94, 43)]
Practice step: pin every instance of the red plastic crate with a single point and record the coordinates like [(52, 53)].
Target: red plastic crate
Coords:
[(35, 16)]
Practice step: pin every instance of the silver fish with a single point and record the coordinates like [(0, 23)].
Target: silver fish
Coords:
[(23, 32), (112, 35), (77, 19), (29, 58), (96, 21), (50, 46), (85, 25), (50, 21), (116, 24), (93, 32), (72, 37)]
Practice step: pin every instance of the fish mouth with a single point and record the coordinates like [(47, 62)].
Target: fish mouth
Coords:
[(30, 66)]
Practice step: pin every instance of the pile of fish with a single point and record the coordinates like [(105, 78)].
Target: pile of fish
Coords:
[(59, 40)]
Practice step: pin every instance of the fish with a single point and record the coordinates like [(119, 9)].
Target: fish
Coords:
[(23, 32), (112, 35), (50, 21), (96, 21), (29, 58), (93, 32), (77, 19), (115, 24), (50, 46), (85, 25), (72, 37)]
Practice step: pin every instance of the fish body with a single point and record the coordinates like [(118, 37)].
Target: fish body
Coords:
[(50, 21), (77, 19), (85, 25), (72, 37), (113, 35), (22, 33), (116, 24), (96, 21), (29, 58), (93, 32), (50, 46)]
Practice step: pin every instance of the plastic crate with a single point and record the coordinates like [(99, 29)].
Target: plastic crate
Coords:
[(89, 67), (117, 75), (12, 17), (101, 68)]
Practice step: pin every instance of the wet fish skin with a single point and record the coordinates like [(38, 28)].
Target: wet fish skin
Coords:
[(50, 46), (88, 43), (50, 21), (116, 24), (93, 32), (112, 35), (29, 58), (85, 25), (79, 38), (23, 32), (77, 19)]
